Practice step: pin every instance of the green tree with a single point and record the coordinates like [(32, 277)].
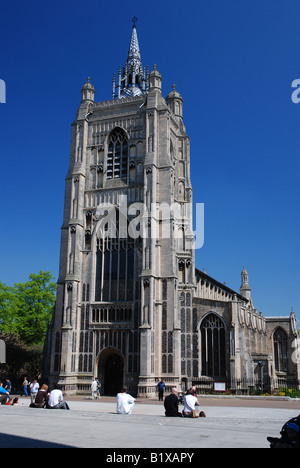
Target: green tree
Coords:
[(21, 359), (8, 309), (26, 308), (35, 301)]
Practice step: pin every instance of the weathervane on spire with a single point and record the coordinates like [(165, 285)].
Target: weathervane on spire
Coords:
[(134, 20)]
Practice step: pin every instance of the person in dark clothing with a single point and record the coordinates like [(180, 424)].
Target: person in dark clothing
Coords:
[(171, 404), (290, 435), (161, 388), (41, 398), (4, 395)]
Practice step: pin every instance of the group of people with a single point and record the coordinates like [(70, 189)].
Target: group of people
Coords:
[(5, 398), (40, 397), (95, 389), (29, 388), (190, 403), (50, 400), (171, 402), (4, 392), (125, 404)]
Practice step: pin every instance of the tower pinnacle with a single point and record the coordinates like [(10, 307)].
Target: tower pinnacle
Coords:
[(245, 289), (132, 80)]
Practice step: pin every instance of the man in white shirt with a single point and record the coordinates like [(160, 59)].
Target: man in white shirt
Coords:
[(125, 402), (56, 400), (94, 389), (190, 402), (34, 388)]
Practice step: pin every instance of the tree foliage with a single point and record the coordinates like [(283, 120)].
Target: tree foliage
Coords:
[(25, 312), (26, 308), (22, 360)]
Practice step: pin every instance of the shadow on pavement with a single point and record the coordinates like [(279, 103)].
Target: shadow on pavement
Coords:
[(12, 441)]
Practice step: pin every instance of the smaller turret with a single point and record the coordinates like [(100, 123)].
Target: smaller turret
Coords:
[(87, 91), (245, 289), (174, 101), (155, 79)]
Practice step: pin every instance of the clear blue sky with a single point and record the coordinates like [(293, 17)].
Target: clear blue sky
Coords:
[(233, 62)]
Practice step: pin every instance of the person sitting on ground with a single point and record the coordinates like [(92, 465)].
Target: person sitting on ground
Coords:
[(125, 402), (41, 398), (15, 402), (190, 402), (56, 400), (171, 404), (4, 394), (290, 435)]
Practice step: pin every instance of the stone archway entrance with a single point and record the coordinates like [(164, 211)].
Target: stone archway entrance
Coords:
[(111, 371)]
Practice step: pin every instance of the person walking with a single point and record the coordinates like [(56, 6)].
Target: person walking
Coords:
[(98, 389), (24, 387), (8, 385), (161, 388), (94, 389)]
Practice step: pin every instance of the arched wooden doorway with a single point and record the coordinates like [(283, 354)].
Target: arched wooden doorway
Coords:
[(111, 371)]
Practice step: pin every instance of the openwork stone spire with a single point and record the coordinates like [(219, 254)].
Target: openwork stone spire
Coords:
[(132, 79)]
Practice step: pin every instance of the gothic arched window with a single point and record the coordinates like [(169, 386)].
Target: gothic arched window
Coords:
[(280, 350), (213, 346), (115, 264), (117, 155)]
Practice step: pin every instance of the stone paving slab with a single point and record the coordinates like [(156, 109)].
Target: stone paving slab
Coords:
[(95, 424)]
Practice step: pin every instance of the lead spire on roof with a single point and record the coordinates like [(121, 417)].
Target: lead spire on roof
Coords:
[(134, 56), (133, 79)]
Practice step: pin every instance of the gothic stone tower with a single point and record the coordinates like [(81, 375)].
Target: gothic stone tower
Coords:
[(117, 309)]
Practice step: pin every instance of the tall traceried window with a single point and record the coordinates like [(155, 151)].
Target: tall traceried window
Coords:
[(280, 350), (117, 155), (115, 265), (213, 346)]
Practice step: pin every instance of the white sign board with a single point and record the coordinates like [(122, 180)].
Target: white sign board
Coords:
[(2, 352), (219, 386)]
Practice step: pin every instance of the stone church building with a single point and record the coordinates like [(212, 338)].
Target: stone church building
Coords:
[(131, 305)]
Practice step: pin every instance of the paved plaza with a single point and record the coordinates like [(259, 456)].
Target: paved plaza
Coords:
[(229, 423)]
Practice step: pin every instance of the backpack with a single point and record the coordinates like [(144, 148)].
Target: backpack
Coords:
[(290, 435)]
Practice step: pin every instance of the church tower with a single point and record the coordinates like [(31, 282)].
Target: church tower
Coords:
[(127, 256), (131, 307)]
